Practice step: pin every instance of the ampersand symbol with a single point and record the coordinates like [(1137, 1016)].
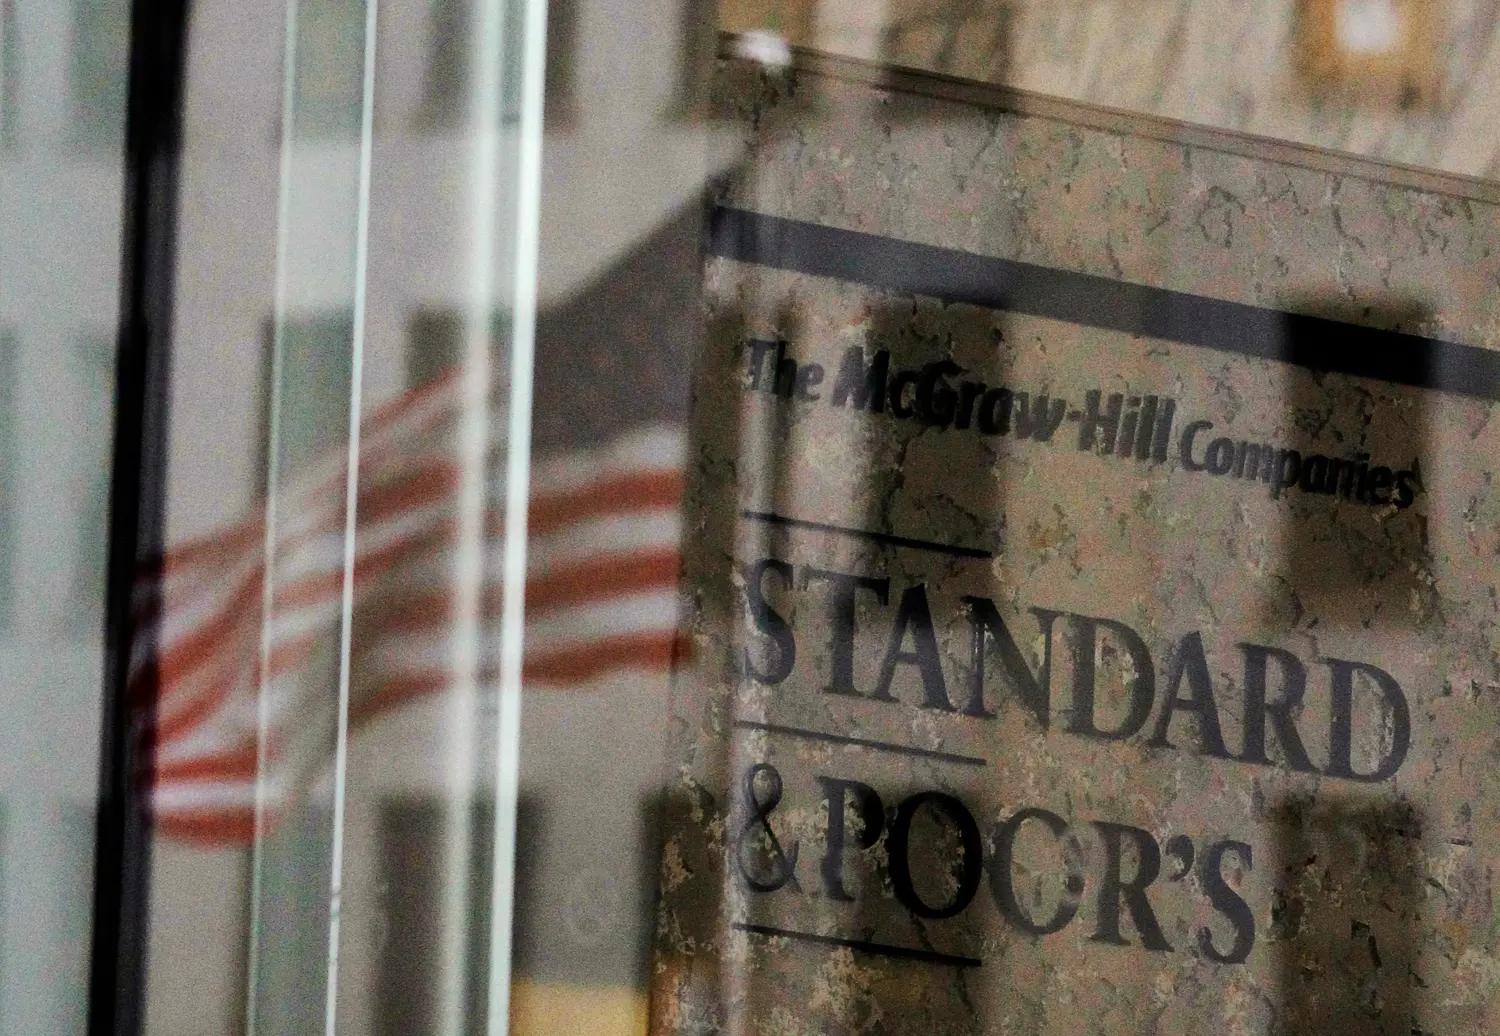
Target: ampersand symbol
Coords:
[(780, 863)]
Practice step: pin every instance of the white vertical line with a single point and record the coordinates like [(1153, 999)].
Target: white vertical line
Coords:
[(469, 569), (273, 474), (517, 492), (351, 515)]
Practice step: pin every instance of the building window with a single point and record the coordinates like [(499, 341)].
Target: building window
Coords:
[(447, 80), (435, 343), (329, 80), (560, 99), (10, 472), (99, 70), (10, 75), (412, 883), (315, 387), (90, 554)]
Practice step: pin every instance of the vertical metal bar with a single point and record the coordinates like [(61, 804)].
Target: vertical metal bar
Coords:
[(158, 40), (351, 514), (526, 272), (457, 941), (273, 481)]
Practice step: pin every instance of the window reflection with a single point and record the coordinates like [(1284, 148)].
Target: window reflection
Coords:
[(63, 76), (312, 413), (328, 88), (93, 373), (99, 46), (447, 78), (10, 75), (10, 481)]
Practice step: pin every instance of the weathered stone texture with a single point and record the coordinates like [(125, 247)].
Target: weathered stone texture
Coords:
[(1373, 903)]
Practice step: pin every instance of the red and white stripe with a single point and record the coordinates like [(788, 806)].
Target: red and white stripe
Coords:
[(603, 555)]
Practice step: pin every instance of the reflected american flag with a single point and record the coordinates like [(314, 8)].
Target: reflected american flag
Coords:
[(601, 597)]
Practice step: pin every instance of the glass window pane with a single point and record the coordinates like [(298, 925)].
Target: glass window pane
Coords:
[(94, 369), (329, 63), (445, 80), (99, 69), (803, 516), (10, 74), (62, 83), (10, 501)]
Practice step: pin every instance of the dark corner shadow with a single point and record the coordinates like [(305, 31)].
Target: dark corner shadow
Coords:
[(1354, 532), (1344, 916)]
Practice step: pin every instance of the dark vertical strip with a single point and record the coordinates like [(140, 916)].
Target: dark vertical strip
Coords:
[(412, 876), (158, 39), (560, 105), (411, 913)]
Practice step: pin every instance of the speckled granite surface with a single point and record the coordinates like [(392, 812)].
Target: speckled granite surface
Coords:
[(1239, 861)]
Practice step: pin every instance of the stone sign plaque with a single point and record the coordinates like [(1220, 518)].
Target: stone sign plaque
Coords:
[(1092, 563)]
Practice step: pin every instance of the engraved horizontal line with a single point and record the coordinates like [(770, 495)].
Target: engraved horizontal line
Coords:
[(859, 742), (863, 946), (771, 518)]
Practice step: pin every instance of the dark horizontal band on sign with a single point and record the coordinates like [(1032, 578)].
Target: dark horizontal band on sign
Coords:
[(1315, 343), (862, 946)]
